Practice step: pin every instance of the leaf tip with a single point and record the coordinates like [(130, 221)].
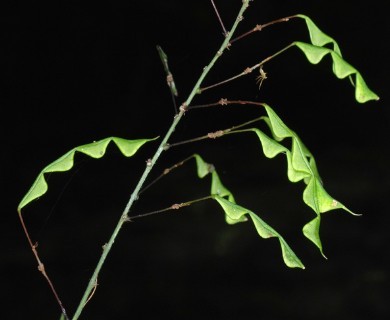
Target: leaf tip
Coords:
[(351, 212)]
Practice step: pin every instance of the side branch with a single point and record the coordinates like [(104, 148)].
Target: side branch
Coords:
[(260, 27), (247, 70), (218, 133), (41, 267), (219, 18)]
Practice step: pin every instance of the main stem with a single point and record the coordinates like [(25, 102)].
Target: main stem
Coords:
[(124, 217)]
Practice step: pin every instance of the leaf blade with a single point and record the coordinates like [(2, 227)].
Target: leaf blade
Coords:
[(95, 150), (301, 165)]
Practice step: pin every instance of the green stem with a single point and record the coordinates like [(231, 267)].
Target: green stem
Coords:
[(247, 70), (124, 217)]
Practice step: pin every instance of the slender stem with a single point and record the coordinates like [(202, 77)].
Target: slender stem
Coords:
[(165, 172), (150, 163), (260, 27), (247, 70), (41, 267), (219, 18), (175, 206), (216, 134)]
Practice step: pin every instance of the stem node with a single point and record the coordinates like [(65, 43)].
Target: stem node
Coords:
[(183, 108), (223, 102)]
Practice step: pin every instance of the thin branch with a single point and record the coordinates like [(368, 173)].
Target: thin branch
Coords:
[(247, 70), (165, 172), (150, 164), (216, 134), (260, 27), (41, 268), (175, 206), (225, 102), (93, 292), (219, 18)]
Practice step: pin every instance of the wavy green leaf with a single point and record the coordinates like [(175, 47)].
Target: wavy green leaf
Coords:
[(236, 212), (301, 165), (317, 37), (95, 150), (315, 51), (217, 188)]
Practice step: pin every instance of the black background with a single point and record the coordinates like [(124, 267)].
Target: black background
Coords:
[(73, 73)]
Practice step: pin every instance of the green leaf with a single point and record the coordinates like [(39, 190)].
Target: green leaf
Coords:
[(95, 150), (341, 69), (203, 167), (217, 188), (301, 165), (315, 51), (236, 212)]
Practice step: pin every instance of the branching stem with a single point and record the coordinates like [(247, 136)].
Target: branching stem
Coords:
[(175, 206), (124, 217), (247, 70), (216, 134)]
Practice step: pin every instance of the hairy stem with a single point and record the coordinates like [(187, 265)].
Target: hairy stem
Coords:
[(151, 162)]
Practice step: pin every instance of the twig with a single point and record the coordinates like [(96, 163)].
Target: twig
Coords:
[(218, 133), (41, 268), (247, 70), (219, 18), (175, 206)]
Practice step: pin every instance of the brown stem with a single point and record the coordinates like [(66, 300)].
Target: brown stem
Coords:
[(175, 206), (247, 70), (218, 133), (219, 18), (260, 27), (41, 267)]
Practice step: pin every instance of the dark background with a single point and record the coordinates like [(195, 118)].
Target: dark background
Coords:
[(73, 73)]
